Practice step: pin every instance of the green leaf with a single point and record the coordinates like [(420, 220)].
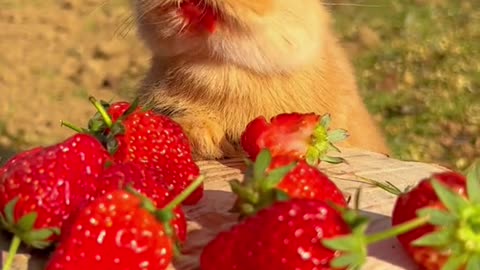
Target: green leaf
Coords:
[(337, 135), (40, 244), (245, 193), (333, 147), (452, 201), (25, 224), (333, 160), (473, 182), (325, 121), (281, 196), (96, 125), (117, 129), (312, 155), (9, 210), (3, 222), (350, 261), (262, 163), (342, 243), (437, 217), (112, 146), (276, 176), (454, 263), (473, 262), (38, 235), (434, 239)]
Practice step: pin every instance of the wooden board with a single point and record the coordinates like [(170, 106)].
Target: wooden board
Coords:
[(211, 215)]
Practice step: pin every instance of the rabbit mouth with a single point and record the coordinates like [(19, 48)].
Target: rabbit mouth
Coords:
[(198, 15)]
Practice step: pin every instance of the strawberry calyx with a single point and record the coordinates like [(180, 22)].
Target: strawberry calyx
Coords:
[(353, 247), (322, 141), (457, 229), (258, 189), (24, 227), (101, 125), (23, 231), (458, 232), (166, 214), (104, 128)]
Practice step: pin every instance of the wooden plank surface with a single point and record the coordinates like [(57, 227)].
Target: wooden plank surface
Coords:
[(211, 215)]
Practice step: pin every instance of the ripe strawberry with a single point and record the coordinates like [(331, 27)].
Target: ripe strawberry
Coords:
[(19, 157), (288, 235), (135, 134), (119, 230), (41, 187), (451, 204), (146, 181), (270, 179), (303, 136)]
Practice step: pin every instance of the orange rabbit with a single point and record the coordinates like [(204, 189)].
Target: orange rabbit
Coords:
[(217, 64)]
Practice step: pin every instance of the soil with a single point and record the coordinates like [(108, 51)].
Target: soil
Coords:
[(55, 55)]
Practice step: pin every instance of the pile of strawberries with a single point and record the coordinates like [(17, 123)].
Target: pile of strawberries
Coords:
[(111, 197)]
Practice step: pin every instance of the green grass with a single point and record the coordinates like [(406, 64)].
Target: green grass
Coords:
[(423, 78)]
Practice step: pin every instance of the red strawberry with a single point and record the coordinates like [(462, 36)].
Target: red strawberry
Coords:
[(270, 179), (121, 231), (288, 235), (40, 188), (451, 204), (303, 136), (146, 181), (134, 134), (19, 157)]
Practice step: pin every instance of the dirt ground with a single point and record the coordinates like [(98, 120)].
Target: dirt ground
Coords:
[(54, 54)]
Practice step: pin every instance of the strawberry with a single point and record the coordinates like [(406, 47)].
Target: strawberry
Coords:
[(275, 178), (146, 181), (287, 235), (120, 230), (139, 135), (301, 135), (18, 158), (450, 202), (41, 187)]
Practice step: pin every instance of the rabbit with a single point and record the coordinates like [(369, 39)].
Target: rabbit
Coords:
[(218, 64)]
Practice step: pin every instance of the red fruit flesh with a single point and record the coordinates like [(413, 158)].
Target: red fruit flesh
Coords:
[(199, 15), (286, 134), (113, 232), (421, 196), (285, 236)]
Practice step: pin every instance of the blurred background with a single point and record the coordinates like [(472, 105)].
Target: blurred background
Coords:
[(417, 62)]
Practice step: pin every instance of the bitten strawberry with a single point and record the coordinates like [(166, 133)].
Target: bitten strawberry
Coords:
[(288, 235), (139, 135), (121, 230), (450, 202), (303, 136), (40, 188), (148, 182), (276, 178)]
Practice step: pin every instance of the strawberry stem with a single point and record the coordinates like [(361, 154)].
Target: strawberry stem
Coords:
[(102, 111), (397, 230), (71, 126), (11, 253), (184, 194)]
